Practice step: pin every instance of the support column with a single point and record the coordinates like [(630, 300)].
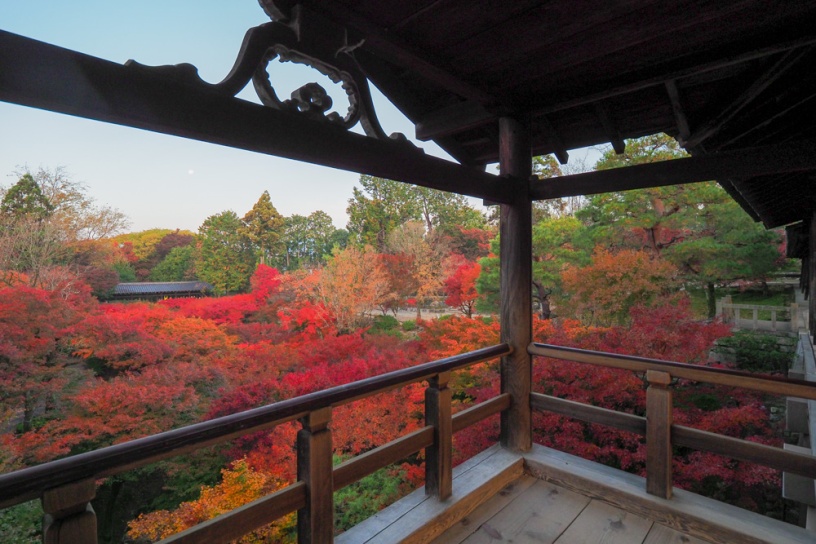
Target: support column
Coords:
[(516, 274), (811, 264)]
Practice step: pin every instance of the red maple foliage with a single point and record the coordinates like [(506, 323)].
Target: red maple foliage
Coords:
[(460, 287)]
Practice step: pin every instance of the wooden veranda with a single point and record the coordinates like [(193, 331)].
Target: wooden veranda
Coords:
[(489, 82)]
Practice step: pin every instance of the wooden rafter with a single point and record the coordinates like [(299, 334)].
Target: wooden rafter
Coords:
[(767, 122), (560, 149), (44, 76), (391, 47), (775, 159), (777, 70), (609, 127), (636, 84), (683, 129)]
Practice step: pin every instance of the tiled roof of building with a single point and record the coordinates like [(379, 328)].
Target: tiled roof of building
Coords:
[(161, 288)]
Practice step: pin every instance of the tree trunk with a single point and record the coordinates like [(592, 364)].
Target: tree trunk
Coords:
[(711, 300), (29, 404), (543, 297)]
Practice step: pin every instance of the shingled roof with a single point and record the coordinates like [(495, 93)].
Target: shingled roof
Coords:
[(159, 290)]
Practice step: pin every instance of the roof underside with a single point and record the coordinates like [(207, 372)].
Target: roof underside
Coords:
[(732, 81), (719, 76)]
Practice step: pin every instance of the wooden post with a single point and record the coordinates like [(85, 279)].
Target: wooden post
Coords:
[(69, 517), (439, 456), (658, 434), (516, 254), (727, 309), (314, 467), (811, 264)]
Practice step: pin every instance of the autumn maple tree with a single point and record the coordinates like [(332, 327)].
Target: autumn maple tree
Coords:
[(604, 291), (460, 287)]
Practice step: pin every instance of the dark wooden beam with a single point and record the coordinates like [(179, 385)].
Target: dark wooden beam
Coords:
[(609, 128), (746, 97), (453, 119), (683, 129), (789, 157), (44, 76), (560, 149)]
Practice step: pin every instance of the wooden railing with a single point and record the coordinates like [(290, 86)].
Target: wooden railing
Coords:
[(657, 426), (782, 318), (67, 486)]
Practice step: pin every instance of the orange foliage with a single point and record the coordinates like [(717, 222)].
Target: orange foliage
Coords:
[(239, 485), (604, 291)]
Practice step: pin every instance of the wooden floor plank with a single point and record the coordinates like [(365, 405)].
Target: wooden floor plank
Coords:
[(601, 522), (428, 518), (540, 515), (687, 512), (383, 519), (471, 523), (660, 534)]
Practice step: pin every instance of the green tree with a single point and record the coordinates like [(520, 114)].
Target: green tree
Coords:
[(377, 209), (697, 226), (727, 246), (178, 265), (226, 258), (25, 199), (30, 242), (263, 226), (308, 240), (558, 242), (444, 212), (383, 205), (650, 218)]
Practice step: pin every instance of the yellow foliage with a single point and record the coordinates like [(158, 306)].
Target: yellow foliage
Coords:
[(239, 485)]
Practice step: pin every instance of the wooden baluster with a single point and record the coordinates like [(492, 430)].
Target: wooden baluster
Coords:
[(314, 467), (439, 456), (69, 517), (658, 434)]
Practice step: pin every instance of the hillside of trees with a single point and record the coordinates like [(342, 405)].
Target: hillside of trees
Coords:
[(302, 305)]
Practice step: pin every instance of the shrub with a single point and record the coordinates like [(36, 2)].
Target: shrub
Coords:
[(384, 324), (755, 352)]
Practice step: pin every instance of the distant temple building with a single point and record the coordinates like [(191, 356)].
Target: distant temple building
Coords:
[(160, 290)]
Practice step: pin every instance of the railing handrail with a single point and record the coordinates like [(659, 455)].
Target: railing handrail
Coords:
[(30, 483), (661, 434), (766, 384), (737, 306)]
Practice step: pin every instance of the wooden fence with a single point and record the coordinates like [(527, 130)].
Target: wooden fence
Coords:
[(661, 434), (67, 486), (758, 317)]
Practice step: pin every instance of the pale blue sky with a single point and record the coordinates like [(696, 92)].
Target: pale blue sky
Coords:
[(158, 180)]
